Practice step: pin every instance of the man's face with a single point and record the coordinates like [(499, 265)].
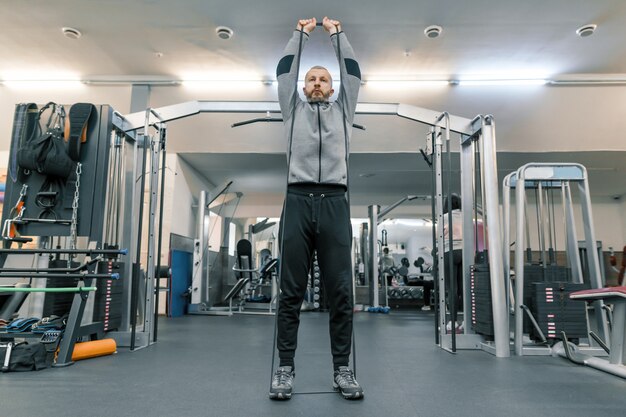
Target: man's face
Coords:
[(317, 85)]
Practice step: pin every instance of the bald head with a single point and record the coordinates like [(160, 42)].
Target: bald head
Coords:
[(318, 85)]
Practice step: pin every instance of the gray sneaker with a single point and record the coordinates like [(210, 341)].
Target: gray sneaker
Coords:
[(282, 383), (344, 381)]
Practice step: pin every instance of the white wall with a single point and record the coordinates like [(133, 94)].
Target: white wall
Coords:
[(183, 185), (420, 245), (609, 218)]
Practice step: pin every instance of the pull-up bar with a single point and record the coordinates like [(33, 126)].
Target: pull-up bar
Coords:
[(89, 252), (68, 289), (114, 275), (134, 121), (82, 267)]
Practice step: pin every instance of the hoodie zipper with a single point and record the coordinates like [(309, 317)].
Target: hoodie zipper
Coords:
[(319, 128)]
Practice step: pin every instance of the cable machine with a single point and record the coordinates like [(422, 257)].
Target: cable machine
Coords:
[(545, 180), (57, 193), (478, 176)]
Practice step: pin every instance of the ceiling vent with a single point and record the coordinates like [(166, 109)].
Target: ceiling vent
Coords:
[(433, 31), (71, 33), (224, 32), (586, 30)]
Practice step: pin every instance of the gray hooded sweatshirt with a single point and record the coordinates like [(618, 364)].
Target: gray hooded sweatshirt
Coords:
[(317, 151)]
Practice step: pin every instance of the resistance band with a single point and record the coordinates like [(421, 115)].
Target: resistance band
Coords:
[(282, 220)]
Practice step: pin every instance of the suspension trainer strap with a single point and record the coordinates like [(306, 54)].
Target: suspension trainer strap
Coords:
[(342, 94), (285, 66), (24, 121)]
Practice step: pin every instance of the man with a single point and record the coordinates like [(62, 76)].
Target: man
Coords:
[(387, 266), (316, 214), (427, 285), (454, 253)]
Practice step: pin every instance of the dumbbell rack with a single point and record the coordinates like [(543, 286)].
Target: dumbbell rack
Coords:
[(404, 295)]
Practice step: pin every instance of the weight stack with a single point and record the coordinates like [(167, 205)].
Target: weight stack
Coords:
[(555, 312), (59, 304), (480, 293), (108, 299), (536, 273)]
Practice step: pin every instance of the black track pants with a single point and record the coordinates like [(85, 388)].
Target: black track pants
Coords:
[(457, 275), (316, 220)]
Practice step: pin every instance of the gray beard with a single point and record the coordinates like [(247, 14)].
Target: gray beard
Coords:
[(317, 99)]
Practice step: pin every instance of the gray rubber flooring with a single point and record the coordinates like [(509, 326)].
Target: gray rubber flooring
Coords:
[(220, 366)]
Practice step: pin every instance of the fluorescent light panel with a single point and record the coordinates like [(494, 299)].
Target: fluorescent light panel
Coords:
[(42, 84), (405, 83), (221, 84), (501, 82), (52, 83), (405, 222)]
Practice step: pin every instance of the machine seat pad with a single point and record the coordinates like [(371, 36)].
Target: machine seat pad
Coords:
[(599, 294)]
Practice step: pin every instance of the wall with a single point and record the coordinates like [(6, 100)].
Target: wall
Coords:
[(420, 245), (183, 185)]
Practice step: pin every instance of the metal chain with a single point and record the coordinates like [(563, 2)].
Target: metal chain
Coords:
[(74, 224)]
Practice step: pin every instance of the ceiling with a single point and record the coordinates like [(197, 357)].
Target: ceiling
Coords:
[(148, 42), (120, 38)]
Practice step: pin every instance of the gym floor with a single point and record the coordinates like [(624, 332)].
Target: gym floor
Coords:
[(220, 366)]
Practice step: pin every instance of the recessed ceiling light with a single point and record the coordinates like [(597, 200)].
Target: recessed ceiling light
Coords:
[(586, 30), (71, 33), (433, 31), (224, 32), (158, 54)]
